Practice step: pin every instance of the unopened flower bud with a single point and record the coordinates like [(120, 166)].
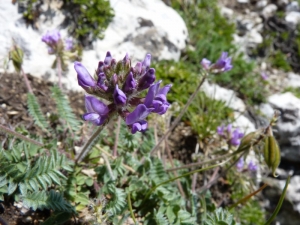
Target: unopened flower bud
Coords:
[(119, 96), (147, 79), (85, 80)]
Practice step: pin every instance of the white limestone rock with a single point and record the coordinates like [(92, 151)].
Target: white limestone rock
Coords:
[(139, 27)]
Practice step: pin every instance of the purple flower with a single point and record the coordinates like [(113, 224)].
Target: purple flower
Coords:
[(147, 79), (69, 44), (240, 164), (205, 63), (51, 37), (146, 63), (223, 64), (220, 130), (140, 126), (101, 81), (252, 166), (85, 80), (119, 96), (136, 118), (97, 111), (108, 58), (264, 76), (235, 137), (130, 83), (156, 98)]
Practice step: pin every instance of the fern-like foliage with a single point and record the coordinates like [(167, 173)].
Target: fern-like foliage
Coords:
[(220, 216), (64, 109), (36, 112), (160, 218), (117, 203), (47, 200), (20, 169)]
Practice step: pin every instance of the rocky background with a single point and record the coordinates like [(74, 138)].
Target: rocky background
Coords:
[(263, 28)]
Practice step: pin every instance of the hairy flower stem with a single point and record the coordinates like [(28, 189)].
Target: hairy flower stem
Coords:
[(11, 132), (27, 83), (115, 151), (89, 144), (179, 117), (108, 166), (58, 68)]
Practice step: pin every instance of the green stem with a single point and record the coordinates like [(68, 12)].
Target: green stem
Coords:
[(280, 202), (130, 208), (89, 144), (58, 67), (177, 120), (183, 175), (11, 132)]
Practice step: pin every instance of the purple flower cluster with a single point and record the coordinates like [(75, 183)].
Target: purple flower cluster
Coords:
[(234, 136), (121, 85), (223, 64), (54, 42)]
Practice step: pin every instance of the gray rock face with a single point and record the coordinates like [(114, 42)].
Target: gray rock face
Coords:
[(139, 27)]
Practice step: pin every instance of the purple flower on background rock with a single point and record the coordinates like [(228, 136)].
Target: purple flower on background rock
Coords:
[(264, 76), (119, 96), (240, 164), (69, 44), (51, 37), (97, 111), (85, 80), (252, 166), (156, 98), (236, 137)]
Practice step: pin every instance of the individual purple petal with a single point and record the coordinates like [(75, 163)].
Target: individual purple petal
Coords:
[(138, 114), (138, 68), (108, 58), (252, 166), (101, 81), (85, 80), (51, 37), (130, 83), (229, 128), (68, 44), (264, 76), (97, 111), (100, 67), (240, 164), (114, 79), (126, 60), (220, 130), (164, 90), (235, 137), (160, 106), (139, 126), (223, 64), (147, 79), (93, 104), (119, 96), (205, 63), (146, 63), (151, 94)]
